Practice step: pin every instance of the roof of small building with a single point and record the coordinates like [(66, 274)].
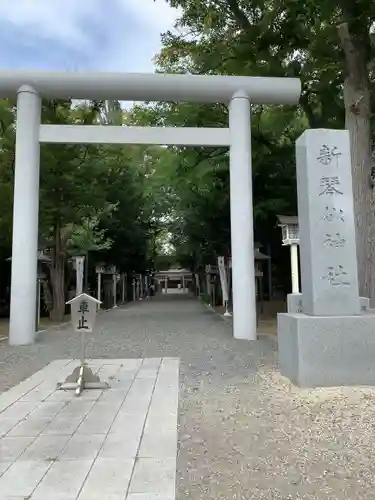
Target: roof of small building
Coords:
[(175, 271), (287, 219), (260, 256)]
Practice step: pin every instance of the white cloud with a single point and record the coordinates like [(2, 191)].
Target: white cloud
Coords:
[(58, 20), (154, 14), (131, 44), (153, 17)]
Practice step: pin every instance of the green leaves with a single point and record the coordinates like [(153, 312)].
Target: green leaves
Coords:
[(87, 236), (7, 137), (272, 38), (95, 197)]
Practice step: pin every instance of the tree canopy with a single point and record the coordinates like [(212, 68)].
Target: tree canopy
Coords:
[(330, 47)]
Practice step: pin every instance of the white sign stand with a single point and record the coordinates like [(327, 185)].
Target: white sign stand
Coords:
[(114, 285), (83, 312), (80, 264), (99, 271), (224, 284)]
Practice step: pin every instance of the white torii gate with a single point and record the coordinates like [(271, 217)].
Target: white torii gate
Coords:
[(235, 91)]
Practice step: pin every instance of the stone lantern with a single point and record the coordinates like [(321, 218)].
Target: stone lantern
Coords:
[(290, 237)]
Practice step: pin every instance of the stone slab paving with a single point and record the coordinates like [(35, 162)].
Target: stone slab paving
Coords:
[(244, 431), (114, 444)]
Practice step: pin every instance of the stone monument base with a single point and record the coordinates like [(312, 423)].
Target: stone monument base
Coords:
[(327, 350), (294, 303)]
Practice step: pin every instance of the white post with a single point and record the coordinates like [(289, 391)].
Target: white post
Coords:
[(99, 286), (25, 218), (241, 208), (99, 289), (269, 266), (123, 288), (39, 303), (114, 277), (208, 281), (294, 267), (80, 265)]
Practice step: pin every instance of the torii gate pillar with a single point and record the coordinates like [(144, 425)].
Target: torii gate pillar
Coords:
[(241, 219), (25, 218)]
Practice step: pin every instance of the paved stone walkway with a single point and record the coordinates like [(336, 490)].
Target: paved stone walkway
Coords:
[(115, 444), (244, 431)]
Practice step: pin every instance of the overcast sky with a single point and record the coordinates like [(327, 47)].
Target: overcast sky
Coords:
[(109, 35)]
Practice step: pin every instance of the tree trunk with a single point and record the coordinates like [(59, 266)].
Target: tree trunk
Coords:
[(203, 282), (47, 295), (58, 291), (57, 278), (67, 279), (357, 121), (86, 273)]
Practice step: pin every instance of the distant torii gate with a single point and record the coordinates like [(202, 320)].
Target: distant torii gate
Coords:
[(236, 91)]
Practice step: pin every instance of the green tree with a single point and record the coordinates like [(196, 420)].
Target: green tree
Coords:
[(71, 191), (198, 178), (89, 196), (330, 46), (7, 135)]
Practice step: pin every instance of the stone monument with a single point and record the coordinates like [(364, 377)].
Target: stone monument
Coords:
[(330, 338)]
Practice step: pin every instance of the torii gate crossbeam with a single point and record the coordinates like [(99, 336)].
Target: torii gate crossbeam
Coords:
[(237, 92)]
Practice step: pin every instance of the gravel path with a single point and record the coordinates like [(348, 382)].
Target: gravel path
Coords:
[(245, 432)]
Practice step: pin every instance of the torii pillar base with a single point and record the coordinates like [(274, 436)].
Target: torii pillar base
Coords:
[(82, 378)]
